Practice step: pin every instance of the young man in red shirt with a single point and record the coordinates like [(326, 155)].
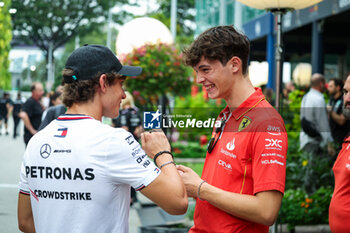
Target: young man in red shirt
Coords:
[(243, 179), (339, 209)]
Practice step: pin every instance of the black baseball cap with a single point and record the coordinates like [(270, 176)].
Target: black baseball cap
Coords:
[(89, 60)]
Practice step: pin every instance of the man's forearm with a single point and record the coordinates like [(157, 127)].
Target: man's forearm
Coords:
[(27, 123), (261, 208), (338, 118)]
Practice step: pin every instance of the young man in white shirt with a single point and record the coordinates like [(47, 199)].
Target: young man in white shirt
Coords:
[(77, 172)]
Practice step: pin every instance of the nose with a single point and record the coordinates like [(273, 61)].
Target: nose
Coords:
[(199, 79), (124, 95), (347, 97)]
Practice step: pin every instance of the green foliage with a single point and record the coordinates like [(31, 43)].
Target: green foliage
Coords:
[(291, 113), (197, 167), (162, 73), (200, 109), (5, 39), (185, 13), (307, 171), (306, 200), (299, 208), (56, 22), (188, 150), (190, 212)]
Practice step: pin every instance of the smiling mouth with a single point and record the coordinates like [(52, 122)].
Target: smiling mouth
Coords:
[(209, 87)]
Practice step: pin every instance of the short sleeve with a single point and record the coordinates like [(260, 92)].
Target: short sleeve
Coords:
[(28, 107), (270, 145), (23, 181), (49, 116), (129, 164)]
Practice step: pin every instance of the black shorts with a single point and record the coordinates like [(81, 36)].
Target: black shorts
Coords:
[(3, 117)]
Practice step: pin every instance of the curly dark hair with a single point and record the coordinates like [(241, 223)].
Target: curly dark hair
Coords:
[(219, 43), (84, 90)]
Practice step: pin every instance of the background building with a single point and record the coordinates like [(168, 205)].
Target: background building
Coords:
[(315, 35)]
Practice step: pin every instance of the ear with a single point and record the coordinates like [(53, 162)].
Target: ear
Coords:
[(235, 64), (103, 83)]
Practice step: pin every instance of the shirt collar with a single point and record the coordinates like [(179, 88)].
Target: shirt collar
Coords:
[(69, 117), (251, 102), (347, 138)]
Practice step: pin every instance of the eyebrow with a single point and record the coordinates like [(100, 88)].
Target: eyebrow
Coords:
[(201, 66)]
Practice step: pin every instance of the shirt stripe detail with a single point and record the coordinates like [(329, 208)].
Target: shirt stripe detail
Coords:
[(263, 98), (34, 195), (73, 117), (140, 187), (24, 192)]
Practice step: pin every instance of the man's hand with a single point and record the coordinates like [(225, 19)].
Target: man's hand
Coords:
[(138, 130), (153, 142), (190, 179), (331, 149)]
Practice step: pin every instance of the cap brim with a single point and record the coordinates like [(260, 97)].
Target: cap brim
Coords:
[(130, 70)]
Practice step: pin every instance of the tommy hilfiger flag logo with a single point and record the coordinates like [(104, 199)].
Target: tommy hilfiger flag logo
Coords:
[(62, 132)]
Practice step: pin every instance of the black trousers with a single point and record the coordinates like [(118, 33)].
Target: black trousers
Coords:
[(16, 120)]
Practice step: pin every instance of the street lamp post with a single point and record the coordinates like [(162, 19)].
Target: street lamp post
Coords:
[(278, 8)]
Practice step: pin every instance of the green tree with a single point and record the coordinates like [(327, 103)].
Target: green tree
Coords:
[(5, 39), (55, 22), (162, 73), (185, 17)]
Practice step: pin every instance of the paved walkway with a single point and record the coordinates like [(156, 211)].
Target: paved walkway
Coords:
[(11, 153)]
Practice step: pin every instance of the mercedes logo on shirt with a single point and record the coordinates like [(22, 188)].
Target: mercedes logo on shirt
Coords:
[(45, 151)]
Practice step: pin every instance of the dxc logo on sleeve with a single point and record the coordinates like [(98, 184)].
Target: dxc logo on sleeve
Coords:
[(274, 144)]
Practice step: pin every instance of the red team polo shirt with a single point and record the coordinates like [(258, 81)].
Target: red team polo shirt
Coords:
[(249, 157), (339, 209)]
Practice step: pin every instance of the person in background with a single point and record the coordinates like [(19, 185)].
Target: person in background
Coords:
[(288, 88), (17, 106), (339, 125), (5, 111), (243, 178), (339, 209), (55, 110), (129, 117), (55, 99), (315, 133), (268, 93), (32, 111), (130, 120)]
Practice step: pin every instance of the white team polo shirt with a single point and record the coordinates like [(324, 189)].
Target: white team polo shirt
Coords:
[(78, 173)]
